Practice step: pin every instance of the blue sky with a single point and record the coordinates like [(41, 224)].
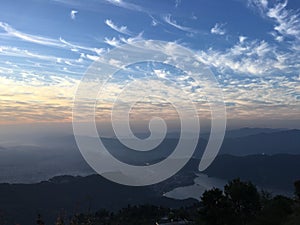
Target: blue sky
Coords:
[(252, 46)]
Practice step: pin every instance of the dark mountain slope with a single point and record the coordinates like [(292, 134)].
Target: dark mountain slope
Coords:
[(20, 203), (275, 172)]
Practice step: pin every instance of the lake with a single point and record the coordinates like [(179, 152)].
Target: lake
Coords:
[(201, 183)]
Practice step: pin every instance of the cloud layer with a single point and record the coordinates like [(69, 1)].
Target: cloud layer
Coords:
[(257, 69)]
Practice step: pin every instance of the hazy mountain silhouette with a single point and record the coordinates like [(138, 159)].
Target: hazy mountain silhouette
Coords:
[(247, 131), (287, 141), (59, 155)]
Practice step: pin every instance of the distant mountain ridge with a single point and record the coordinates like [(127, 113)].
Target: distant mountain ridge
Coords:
[(286, 142), (60, 155), (247, 131)]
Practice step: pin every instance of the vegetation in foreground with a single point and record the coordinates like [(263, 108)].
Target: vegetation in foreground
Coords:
[(240, 203)]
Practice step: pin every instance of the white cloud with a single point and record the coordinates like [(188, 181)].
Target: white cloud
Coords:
[(126, 5), (287, 22), (277, 37), (261, 4), (154, 21), (117, 42), (173, 23), (131, 40), (73, 14), (28, 37), (247, 57), (61, 43), (264, 3), (121, 29), (161, 73), (242, 39), (42, 63), (17, 52), (218, 29), (112, 42), (75, 47), (269, 95), (261, 97), (92, 57)]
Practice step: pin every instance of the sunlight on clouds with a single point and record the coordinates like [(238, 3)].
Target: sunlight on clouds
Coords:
[(33, 99), (262, 97), (259, 73)]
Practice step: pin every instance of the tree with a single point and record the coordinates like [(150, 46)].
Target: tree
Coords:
[(275, 211), (295, 217), (244, 200), (297, 189), (215, 209)]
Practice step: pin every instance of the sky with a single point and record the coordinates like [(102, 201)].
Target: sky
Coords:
[(251, 46)]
